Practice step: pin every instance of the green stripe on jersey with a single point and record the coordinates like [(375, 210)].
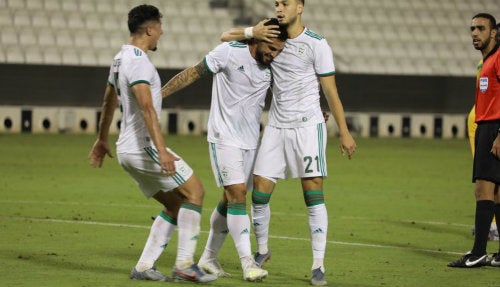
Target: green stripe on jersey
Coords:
[(237, 44), (216, 162), (321, 150), (313, 35)]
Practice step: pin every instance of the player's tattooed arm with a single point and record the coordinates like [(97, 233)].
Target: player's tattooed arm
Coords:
[(184, 79)]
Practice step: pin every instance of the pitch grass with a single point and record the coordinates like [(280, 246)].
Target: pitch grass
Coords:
[(399, 211)]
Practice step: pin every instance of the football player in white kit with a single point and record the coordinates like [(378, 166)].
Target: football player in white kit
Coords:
[(294, 140), (134, 85), (241, 79)]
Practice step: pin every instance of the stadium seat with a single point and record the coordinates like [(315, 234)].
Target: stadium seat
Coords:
[(33, 54), (70, 6), (52, 5), (27, 37), (64, 38), (70, 56), (14, 55), (58, 21), (51, 56), (40, 20), (34, 5), (9, 37), (75, 21), (46, 38), (16, 4), (87, 6), (22, 18)]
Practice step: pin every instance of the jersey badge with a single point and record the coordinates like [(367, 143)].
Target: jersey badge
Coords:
[(483, 84), (241, 68)]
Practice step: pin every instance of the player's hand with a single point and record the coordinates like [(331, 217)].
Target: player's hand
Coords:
[(495, 149), (326, 116), (167, 162), (98, 153), (347, 145), (265, 33)]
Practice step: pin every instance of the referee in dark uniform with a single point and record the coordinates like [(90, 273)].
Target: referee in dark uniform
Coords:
[(486, 168)]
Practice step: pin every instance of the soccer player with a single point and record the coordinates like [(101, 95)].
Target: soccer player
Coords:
[(241, 79), (486, 168), (134, 85), (294, 140)]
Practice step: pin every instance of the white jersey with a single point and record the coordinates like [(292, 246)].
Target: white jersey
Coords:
[(132, 66), (239, 90), (296, 86)]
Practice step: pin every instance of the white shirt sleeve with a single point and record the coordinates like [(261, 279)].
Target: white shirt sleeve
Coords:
[(140, 71), (217, 59), (323, 59)]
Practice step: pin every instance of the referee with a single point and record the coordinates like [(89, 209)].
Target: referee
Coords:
[(486, 168)]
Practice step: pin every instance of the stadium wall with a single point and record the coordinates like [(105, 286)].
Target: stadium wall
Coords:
[(42, 98)]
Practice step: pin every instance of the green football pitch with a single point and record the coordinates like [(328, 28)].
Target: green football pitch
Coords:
[(399, 211)]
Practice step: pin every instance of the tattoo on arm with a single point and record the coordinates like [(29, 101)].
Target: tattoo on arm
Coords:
[(184, 79)]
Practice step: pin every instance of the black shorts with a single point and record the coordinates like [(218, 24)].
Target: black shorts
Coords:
[(486, 165)]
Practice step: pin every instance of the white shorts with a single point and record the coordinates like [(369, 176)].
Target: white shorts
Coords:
[(145, 169), (292, 152), (232, 165)]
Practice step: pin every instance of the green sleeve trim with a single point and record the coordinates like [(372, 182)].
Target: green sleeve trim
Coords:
[(139, 82), (111, 84), (326, 74), (206, 64)]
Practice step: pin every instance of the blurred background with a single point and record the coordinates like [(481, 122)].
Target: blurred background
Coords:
[(405, 68)]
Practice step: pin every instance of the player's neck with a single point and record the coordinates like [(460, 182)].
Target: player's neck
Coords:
[(295, 29), (139, 42)]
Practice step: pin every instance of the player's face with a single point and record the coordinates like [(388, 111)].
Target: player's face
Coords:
[(481, 32), (155, 31), (287, 11), (266, 52)]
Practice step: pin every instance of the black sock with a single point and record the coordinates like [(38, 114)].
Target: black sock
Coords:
[(484, 216)]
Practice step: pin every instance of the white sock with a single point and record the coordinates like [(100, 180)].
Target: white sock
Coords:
[(238, 224), (318, 227), (261, 215), (159, 236), (218, 233), (188, 222)]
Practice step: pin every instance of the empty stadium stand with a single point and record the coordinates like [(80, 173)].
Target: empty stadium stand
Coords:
[(408, 37)]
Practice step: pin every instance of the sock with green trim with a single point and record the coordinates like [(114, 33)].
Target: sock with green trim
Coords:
[(318, 224), (188, 222), (218, 232), (159, 237), (238, 223), (261, 216)]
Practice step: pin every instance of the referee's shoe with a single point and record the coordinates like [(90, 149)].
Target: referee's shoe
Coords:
[(470, 260)]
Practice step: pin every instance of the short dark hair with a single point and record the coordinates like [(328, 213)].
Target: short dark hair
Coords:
[(493, 22), (283, 32), (140, 15)]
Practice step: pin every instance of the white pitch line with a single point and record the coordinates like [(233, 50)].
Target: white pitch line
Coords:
[(210, 209), (270, 236)]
